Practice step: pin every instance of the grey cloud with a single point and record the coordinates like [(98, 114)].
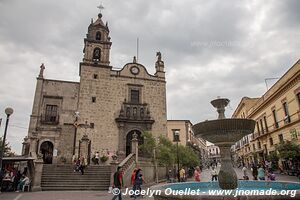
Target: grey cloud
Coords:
[(210, 48)]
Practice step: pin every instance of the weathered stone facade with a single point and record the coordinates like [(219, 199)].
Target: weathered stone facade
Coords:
[(112, 104)]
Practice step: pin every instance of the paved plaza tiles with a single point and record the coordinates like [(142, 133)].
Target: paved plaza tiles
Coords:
[(102, 195)]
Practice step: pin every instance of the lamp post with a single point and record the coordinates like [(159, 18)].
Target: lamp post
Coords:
[(8, 112), (75, 132), (176, 139)]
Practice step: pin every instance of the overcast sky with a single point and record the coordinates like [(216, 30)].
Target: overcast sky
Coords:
[(210, 47)]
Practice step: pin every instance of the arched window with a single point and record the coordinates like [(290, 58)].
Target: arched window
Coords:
[(96, 54), (98, 35)]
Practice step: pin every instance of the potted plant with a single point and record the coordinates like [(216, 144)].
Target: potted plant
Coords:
[(103, 158)]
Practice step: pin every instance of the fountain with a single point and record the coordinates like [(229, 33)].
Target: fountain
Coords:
[(224, 133)]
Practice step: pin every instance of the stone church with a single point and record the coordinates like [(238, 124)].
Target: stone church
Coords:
[(102, 111)]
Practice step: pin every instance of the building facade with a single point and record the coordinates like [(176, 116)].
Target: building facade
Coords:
[(187, 137), (277, 116), (102, 111), (214, 155)]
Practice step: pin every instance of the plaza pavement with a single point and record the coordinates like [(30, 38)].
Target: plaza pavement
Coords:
[(104, 195)]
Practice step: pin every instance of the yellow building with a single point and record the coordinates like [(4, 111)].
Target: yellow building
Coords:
[(277, 116), (187, 137)]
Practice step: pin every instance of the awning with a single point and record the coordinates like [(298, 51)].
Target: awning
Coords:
[(18, 158)]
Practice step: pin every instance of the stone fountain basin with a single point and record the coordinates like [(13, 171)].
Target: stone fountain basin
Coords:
[(224, 131), (220, 102), (204, 188)]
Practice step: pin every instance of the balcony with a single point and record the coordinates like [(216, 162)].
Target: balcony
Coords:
[(131, 112), (50, 119)]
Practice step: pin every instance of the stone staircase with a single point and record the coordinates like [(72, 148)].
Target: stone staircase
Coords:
[(63, 177)]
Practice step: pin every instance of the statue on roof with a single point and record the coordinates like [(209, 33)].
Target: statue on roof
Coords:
[(158, 54), (42, 68)]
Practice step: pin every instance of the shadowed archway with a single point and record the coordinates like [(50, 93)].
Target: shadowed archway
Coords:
[(129, 137), (47, 151)]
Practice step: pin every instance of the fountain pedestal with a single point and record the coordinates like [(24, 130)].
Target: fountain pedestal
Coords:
[(227, 176)]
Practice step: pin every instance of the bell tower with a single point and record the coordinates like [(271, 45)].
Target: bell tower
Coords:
[(97, 43)]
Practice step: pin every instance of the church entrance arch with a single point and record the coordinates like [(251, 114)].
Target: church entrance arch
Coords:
[(47, 151), (129, 137)]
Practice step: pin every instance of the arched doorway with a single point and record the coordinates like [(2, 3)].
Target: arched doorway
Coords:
[(129, 138), (47, 150)]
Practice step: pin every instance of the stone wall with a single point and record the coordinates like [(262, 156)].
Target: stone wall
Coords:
[(110, 90), (65, 95)]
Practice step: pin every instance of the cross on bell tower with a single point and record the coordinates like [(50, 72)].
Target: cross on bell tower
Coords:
[(100, 7)]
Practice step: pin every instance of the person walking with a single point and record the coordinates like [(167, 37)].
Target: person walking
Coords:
[(97, 158), (81, 165), (197, 174), (170, 176), (261, 173), (214, 174), (254, 171), (118, 183), (245, 173), (139, 180), (133, 180), (182, 175)]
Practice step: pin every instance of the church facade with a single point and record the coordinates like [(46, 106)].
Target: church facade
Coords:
[(102, 111)]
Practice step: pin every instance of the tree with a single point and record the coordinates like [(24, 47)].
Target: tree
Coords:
[(187, 157), (7, 148), (148, 146), (165, 152), (288, 150), (273, 157)]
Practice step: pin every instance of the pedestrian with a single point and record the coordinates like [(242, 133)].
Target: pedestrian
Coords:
[(261, 173), (118, 183), (197, 174), (17, 180), (133, 180), (133, 176), (254, 171), (245, 173), (270, 175), (97, 158), (182, 175), (139, 180), (170, 176), (214, 174), (81, 165)]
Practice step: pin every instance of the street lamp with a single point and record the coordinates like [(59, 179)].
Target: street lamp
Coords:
[(176, 139), (8, 112), (75, 132)]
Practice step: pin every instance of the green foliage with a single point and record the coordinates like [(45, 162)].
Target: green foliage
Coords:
[(149, 144), (187, 157), (166, 151), (273, 156), (104, 158), (288, 150), (7, 148)]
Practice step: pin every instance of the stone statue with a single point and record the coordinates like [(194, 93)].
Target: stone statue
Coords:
[(158, 54), (42, 68)]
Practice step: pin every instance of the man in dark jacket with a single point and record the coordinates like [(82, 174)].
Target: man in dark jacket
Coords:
[(118, 184)]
